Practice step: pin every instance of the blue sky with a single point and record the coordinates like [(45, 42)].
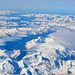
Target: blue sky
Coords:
[(39, 5)]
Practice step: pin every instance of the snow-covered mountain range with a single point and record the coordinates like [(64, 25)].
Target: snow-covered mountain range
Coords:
[(36, 44)]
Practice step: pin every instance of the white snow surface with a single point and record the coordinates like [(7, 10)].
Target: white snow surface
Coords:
[(50, 55), (55, 54)]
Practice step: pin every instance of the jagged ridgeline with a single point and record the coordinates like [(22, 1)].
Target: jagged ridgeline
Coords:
[(36, 44)]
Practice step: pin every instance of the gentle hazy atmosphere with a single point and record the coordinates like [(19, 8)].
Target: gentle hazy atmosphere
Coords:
[(37, 37), (40, 6)]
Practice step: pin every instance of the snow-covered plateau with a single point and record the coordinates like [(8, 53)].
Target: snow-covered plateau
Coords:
[(36, 44)]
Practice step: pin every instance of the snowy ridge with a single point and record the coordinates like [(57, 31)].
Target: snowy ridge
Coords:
[(49, 47), (53, 56)]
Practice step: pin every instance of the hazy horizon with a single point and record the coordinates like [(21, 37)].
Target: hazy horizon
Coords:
[(42, 6)]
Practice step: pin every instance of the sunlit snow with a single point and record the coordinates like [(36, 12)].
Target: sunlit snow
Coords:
[(36, 44)]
